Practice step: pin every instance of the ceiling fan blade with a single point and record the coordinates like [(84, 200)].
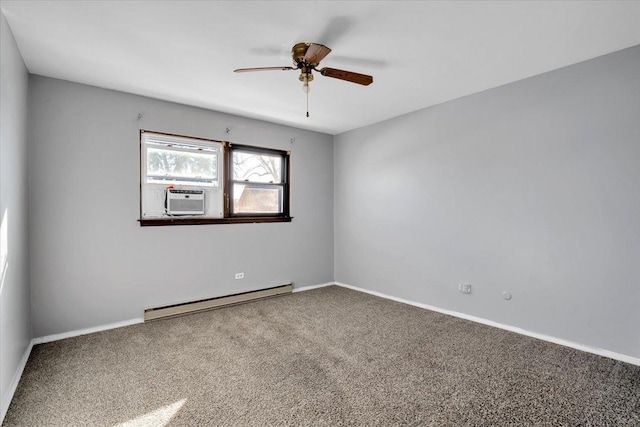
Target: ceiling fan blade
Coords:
[(247, 70), (350, 76), (315, 53)]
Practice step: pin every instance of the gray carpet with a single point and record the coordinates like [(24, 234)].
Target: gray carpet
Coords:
[(329, 356)]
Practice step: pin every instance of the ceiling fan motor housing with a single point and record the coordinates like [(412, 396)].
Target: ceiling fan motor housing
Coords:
[(298, 51)]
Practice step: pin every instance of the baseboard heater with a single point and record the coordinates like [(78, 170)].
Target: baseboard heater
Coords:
[(211, 303)]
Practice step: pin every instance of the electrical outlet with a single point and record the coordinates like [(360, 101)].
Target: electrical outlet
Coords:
[(239, 276), (465, 288)]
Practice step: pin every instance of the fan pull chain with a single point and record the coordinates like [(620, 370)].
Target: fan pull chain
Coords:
[(307, 103)]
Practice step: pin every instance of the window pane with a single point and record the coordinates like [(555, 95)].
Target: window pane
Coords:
[(251, 199), (166, 165), (256, 167)]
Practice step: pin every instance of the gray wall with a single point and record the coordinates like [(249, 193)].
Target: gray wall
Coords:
[(15, 313), (532, 188), (92, 264)]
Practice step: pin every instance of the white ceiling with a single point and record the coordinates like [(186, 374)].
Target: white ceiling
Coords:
[(419, 53)]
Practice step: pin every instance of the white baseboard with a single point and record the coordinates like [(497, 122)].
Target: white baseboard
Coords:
[(14, 383), (70, 334), (308, 288), (594, 350)]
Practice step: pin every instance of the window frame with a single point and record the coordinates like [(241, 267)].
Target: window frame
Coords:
[(225, 162), (284, 179)]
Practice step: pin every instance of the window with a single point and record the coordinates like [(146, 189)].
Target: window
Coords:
[(180, 177), (181, 164), (258, 181), (185, 180)]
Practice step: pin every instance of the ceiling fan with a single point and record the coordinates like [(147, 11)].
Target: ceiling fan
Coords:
[(306, 57)]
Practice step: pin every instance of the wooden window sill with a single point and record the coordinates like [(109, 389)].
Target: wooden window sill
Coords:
[(155, 222)]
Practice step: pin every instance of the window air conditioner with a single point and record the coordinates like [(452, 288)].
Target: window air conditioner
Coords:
[(184, 202)]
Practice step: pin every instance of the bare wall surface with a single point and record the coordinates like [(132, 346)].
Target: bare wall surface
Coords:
[(92, 264), (530, 188), (15, 313)]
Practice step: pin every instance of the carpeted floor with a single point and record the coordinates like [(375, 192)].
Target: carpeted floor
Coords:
[(329, 356)]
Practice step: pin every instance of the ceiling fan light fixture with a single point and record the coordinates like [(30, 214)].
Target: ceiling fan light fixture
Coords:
[(305, 78)]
